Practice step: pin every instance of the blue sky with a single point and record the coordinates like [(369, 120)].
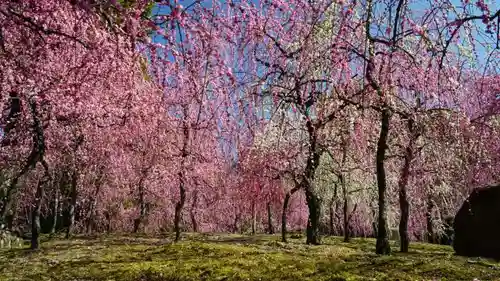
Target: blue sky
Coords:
[(481, 51)]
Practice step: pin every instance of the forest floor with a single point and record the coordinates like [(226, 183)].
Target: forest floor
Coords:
[(235, 257)]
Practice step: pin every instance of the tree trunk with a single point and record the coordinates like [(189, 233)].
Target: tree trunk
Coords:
[(331, 224), (178, 208), (237, 217), (382, 246), (333, 211), (347, 236), (91, 214), (192, 212), (338, 219), (312, 198), (403, 223), (404, 205), (431, 237), (313, 237), (55, 211), (93, 201), (35, 216), (285, 208), (182, 176), (270, 227), (374, 211), (254, 218), (72, 203), (107, 216), (142, 207), (74, 191)]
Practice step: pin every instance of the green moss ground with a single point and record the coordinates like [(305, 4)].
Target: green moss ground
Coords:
[(234, 257)]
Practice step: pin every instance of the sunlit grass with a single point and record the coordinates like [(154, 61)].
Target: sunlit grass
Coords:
[(234, 257)]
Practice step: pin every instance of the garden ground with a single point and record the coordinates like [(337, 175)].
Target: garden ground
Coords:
[(234, 257)]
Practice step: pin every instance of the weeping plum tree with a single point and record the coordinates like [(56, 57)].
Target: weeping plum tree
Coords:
[(210, 81), (49, 61)]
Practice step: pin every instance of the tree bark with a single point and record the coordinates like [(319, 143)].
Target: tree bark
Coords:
[(237, 217), (270, 227), (74, 187), (331, 222), (312, 198), (403, 223), (313, 237), (182, 176), (72, 203), (431, 237), (347, 235), (142, 205), (254, 218), (107, 216), (37, 206), (382, 246), (55, 211), (404, 205), (93, 201), (285, 208), (374, 213), (333, 210), (35, 216), (192, 212), (93, 206), (179, 206)]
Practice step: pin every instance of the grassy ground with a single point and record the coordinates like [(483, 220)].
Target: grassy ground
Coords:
[(235, 257)]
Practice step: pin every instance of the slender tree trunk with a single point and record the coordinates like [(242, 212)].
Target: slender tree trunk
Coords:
[(254, 218), (107, 216), (382, 246), (178, 207), (430, 225), (404, 205), (374, 211), (142, 207), (331, 222), (270, 227), (9, 220), (72, 203), (338, 219), (192, 212), (74, 188), (93, 201), (91, 214), (182, 176), (333, 210), (403, 223), (55, 211), (237, 217), (347, 235), (285, 208), (92, 210), (35, 216)]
